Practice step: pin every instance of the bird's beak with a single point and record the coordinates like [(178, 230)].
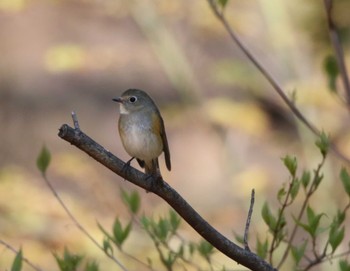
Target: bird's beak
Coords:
[(118, 99)]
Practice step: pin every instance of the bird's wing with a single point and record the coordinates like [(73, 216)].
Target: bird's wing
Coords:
[(165, 145), (159, 127)]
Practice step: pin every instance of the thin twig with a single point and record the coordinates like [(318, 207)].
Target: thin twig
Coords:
[(260, 67), (275, 242), (79, 226), (9, 247), (71, 216), (309, 193), (249, 217), (276, 86), (75, 121), (337, 47)]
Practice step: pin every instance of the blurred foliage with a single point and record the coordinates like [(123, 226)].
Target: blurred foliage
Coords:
[(175, 251), (43, 160), (13, 5), (254, 120), (322, 238), (235, 73), (17, 262), (62, 55), (65, 58)]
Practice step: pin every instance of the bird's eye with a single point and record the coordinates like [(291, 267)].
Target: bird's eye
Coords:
[(132, 99)]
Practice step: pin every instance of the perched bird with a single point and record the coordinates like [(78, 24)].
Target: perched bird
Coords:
[(142, 131)]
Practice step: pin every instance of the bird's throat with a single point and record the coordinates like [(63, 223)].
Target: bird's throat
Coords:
[(123, 110)]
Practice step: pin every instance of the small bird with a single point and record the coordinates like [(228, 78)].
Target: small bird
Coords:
[(141, 129)]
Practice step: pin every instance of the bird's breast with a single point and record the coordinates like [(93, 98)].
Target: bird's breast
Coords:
[(140, 137)]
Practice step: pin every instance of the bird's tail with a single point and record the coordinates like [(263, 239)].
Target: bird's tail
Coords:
[(152, 167)]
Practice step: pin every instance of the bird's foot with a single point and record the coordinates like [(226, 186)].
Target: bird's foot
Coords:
[(127, 164), (156, 180)]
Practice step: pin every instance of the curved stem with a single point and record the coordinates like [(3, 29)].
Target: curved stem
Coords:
[(276, 86)]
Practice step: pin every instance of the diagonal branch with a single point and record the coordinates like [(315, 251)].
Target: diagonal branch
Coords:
[(261, 68), (338, 50), (244, 257), (276, 86), (9, 247)]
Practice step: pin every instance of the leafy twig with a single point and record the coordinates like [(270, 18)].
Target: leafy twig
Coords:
[(309, 193), (275, 242), (9, 247)]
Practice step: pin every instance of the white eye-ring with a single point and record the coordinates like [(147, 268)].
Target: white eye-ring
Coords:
[(132, 99)]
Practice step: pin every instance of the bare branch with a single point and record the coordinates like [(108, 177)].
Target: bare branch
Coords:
[(247, 224), (261, 68), (75, 121), (166, 192), (276, 86), (338, 50)]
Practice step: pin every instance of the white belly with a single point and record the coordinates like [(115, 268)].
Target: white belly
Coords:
[(142, 144)]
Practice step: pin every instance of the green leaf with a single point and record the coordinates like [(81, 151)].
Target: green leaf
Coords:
[(205, 249), (69, 262), (107, 247), (323, 144), (120, 234), (222, 3), (262, 248), (162, 229), (145, 222), (344, 265), (345, 178), (174, 220), (43, 160), (312, 227), (313, 220), (281, 193), (305, 178), (295, 188), (318, 178), (336, 236), (269, 219), (91, 266), (132, 200), (192, 248), (279, 232), (291, 164), (17, 262), (339, 219), (330, 67), (298, 252)]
